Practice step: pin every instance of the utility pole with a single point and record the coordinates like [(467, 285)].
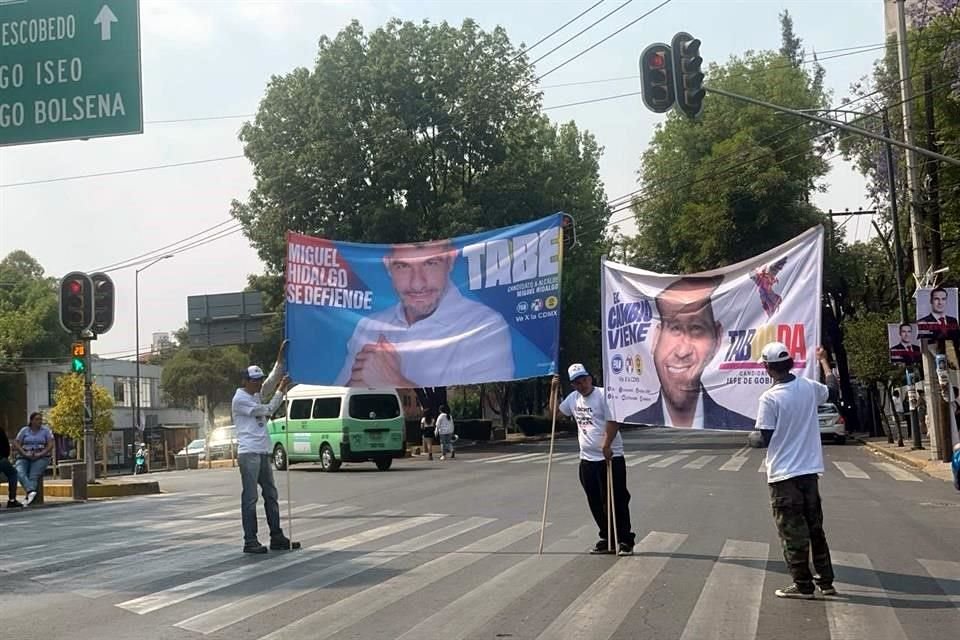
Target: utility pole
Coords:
[(932, 183), (916, 231)]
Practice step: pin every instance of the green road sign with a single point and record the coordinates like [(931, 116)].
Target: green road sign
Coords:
[(69, 69)]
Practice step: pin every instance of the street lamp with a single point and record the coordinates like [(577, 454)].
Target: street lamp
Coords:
[(136, 305)]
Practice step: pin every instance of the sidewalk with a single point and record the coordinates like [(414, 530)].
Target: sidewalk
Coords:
[(917, 459)]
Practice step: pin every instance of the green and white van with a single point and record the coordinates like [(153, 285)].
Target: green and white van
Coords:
[(332, 425)]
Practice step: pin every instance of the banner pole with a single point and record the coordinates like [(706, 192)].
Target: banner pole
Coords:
[(546, 491)]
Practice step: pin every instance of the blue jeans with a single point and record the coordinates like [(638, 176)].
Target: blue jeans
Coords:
[(446, 443), (30, 472), (11, 474), (255, 469)]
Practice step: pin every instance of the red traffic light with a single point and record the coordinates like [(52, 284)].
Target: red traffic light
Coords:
[(657, 60), (76, 287)]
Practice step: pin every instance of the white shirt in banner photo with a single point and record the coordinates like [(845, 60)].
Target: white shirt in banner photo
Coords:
[(591, 414)]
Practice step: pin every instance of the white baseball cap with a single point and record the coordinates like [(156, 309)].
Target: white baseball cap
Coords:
[(253, 372), (577, 370), (775, 352)]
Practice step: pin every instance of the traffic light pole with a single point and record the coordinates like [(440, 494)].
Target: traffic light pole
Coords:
[(89, 443)]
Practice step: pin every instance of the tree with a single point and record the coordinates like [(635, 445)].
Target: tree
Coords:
[(417, 132), (66, 416), (213, 373), (738, 180)]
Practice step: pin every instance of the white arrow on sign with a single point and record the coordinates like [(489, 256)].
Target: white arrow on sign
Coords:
[(105, 19)]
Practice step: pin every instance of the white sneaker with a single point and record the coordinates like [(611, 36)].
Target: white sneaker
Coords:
[(30, 497), (441, 457)]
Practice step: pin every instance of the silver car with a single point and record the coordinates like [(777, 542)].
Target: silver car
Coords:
[(831, 422)]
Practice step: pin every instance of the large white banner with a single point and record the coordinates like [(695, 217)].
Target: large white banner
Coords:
[(683, 351)]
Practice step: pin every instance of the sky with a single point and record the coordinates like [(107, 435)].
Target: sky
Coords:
[(213, 58)]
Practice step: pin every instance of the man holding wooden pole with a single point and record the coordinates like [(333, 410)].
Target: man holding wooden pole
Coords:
[(603, 470)]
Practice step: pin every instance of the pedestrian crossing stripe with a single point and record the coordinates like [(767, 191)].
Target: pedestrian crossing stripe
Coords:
[(727, 605), (735, 462)]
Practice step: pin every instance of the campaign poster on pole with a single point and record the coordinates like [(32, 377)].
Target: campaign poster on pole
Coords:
[(683, 350), (937, 313), (466, 310), (903, 343)]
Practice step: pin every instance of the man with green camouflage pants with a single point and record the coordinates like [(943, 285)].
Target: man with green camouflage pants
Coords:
[(788, 421)]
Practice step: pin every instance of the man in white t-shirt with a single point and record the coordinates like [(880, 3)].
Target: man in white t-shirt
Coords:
[(787, 420), (434, 336), (600, 445)]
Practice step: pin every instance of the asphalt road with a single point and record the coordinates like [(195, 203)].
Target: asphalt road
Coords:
[(447, 550)]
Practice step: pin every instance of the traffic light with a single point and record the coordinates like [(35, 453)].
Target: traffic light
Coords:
[(78, 364), (687, 75), (76, 302), (103, 303), (657, 77)]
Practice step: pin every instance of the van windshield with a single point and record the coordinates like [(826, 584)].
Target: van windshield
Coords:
[(374, 407)]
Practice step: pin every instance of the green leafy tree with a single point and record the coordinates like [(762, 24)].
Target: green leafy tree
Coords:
[(214, 373), (66, 416), (416, 132)]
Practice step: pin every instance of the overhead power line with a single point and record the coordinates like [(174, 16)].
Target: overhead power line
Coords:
[(581, 32), (118, 172), (558, 29)]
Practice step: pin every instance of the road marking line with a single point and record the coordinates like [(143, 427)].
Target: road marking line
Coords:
[(473, 610), (186, 591), (640, 459), (735, 463), (97, 587), (896, 472), (699, 463), (862, 610), (559, 457), (850, 470), (669, 460), (240, 610), (519, 456), (947, 575), (729, 605), (338, 616), (603, 606)]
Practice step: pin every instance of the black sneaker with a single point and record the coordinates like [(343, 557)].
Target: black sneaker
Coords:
[(13, 504), (793, 591), (279, 543), (602, 547), (254, 547), (828, 590), (625, 549), (453, 455)]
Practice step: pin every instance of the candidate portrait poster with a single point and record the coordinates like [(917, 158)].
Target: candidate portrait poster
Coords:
[(684, 351), (468, 310), (937, 313), (903, 343)]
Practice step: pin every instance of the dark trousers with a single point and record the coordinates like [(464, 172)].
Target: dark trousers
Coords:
[(255, 469), (593, 477), (10, 472), (799, 517)]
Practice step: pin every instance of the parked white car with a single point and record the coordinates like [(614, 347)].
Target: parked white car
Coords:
[(195, 447), (832, 423)]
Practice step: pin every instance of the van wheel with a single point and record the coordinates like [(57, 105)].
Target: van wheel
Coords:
[(280, 458), (328, 462), (384, 463)]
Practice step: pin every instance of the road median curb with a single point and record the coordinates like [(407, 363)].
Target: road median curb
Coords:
[(893, 455)]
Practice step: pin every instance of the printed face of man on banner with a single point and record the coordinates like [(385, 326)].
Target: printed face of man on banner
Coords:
[(937, 313), (430, 333), (685, 341), (904, 346)]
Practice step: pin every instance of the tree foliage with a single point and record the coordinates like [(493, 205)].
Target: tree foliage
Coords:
[(66, 416), (214, 373), (868, 349), (416, 132), (738, 180)]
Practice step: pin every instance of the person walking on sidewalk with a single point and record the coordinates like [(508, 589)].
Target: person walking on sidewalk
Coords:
[(34, 445), (788, 422), (253, 451), (428, 427), (445, 432), (600, 445), (9, 471)]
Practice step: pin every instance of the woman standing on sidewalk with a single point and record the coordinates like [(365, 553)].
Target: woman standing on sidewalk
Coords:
[(445, 432), (428, 426)]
